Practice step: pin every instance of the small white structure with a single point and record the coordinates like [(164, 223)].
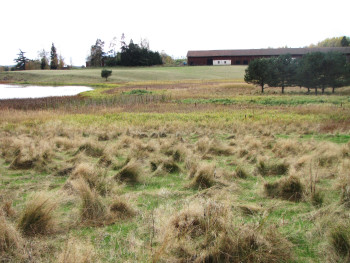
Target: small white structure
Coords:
[(221, 62)]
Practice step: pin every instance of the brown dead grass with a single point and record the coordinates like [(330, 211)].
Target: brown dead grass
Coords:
[(76, 251), (37, 217), (206, 233)]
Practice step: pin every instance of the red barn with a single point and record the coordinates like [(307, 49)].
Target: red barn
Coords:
[(244, 56)]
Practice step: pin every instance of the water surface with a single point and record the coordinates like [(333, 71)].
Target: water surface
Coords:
[(8, 91)]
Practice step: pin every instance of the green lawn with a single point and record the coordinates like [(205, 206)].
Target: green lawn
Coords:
[(122, 74)]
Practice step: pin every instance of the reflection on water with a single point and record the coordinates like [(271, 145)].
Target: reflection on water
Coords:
[(21, 91)]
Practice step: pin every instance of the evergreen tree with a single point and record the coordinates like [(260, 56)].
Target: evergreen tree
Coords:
[(335, 70), (259, 72), (282, 70), (344, 42), (21, 61), (44, 62), (54, 58)]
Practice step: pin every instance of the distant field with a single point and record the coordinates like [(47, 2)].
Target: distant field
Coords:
[(86, 76)]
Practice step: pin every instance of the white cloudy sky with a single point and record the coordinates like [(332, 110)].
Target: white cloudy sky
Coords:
[(173, 26)]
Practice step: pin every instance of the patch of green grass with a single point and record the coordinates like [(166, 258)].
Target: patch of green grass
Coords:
[(336, 138), (137, 92), (272, 100)]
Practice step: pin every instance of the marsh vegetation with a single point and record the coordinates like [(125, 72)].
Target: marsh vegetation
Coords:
[(111, 176)]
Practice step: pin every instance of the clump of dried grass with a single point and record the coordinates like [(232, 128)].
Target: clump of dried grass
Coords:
[(37, 217), (92, 210), (204, 177), (105, 160), (329, 154), (287, 147), (10, 239), (126, 141), (6, 209), (206, 233), (288, 188), (130, 173), (272, 169), (75, 251), (64, 143), (30, 154), (95, 178), (214, 147), (91, 149), (202, 145), (339, 239), (121, 209), (164, 165), (240, 172)]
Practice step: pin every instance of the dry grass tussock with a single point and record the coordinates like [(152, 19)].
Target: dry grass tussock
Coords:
[(288, 147), (11, 242), (288, 188), (163, 166), (206, 232), (344, 184), (120, 208), (95, 178), (76, 251), (6, 208), (130, 173), (329, 154), (204, 176), (92, 211), (271, 169), (64, 143), (339, 240), (27, 153), (91, 148), (37, 217), (215, 147)]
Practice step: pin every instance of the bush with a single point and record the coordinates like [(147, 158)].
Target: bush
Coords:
[(105, 73)]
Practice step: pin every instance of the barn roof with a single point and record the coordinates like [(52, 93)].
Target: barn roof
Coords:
[(264, 52)]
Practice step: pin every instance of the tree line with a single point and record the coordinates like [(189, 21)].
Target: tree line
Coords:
[(315, 70), (129, 55), (45, 60)]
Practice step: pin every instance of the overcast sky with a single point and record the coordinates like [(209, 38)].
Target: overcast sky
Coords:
[(172, 26)]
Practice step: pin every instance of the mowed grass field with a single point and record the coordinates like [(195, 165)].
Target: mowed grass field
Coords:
[(123, 74), (174, 165)]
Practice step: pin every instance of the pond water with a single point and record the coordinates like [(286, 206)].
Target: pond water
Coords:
[(8, 91)]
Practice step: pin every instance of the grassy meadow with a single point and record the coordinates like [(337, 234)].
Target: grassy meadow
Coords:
[(185, 164)]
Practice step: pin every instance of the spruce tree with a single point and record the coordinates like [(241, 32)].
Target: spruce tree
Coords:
[(54, 58)]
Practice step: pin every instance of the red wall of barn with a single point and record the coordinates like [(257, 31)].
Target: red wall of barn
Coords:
[(235, 60)]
